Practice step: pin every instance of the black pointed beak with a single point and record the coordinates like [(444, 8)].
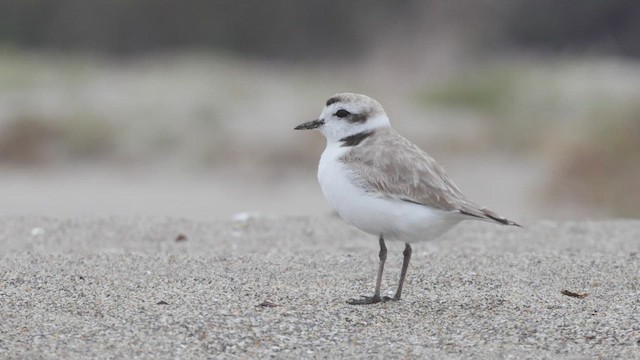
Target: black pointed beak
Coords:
[(310, 125)]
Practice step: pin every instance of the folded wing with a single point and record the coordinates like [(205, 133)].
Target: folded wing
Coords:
[(390, 166)]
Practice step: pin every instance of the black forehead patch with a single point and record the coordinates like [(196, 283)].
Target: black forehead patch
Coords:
[(333, 100), (356, 139)]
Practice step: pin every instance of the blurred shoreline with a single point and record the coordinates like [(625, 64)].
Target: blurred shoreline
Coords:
[(500, 182)]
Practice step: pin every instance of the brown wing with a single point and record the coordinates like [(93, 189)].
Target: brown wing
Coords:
[(388, 165)]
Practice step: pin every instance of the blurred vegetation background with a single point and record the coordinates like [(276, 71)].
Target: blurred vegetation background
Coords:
[(186, 108)]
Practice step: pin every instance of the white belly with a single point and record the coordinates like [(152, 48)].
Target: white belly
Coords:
[(393, 219)]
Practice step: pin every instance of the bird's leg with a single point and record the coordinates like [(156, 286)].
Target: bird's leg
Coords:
[(383, 258), (403, 273), (405, 265), (365, 300)]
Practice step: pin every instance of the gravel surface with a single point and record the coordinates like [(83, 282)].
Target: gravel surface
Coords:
[(263, 287)]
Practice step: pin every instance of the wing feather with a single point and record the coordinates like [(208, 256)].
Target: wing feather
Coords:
[(390, 166)]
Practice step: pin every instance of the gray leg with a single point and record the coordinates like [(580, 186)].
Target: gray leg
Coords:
[(383, 258), (405, 265), (376, 295)]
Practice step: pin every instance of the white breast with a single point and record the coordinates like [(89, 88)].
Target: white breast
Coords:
[(394, 219)]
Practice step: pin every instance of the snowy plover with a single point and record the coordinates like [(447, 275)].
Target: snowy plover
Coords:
[(383, 184)]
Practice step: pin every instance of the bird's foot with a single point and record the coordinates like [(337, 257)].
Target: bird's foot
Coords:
[(368, 300), (365, 300), (387, 298)]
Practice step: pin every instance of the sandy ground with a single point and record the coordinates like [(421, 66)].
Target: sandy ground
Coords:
[(125, 288)]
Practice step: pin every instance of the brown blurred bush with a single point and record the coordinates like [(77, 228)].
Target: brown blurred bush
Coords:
[(602, 171)]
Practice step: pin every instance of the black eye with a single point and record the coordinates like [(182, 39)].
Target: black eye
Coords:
[(342, 113)]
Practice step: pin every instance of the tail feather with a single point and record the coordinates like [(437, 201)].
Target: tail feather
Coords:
[(488, 214), (502, 220)]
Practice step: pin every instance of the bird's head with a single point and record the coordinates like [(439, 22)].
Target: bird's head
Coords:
[(348, 114)]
